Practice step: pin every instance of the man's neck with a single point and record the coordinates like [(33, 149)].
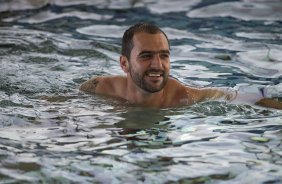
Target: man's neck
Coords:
[(136, 95)]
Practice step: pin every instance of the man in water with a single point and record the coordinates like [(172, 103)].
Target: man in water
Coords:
[(145, 58)]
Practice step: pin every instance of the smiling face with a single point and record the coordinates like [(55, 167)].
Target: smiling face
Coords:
[(149, 61)]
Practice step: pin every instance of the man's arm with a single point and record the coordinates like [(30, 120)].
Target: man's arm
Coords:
[(268, 102), (206, 94), (250, 96), (262, 96)]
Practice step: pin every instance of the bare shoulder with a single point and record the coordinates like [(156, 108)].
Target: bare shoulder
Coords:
[(106, 85), (177, 93), (180, 87), (90, 85), (189, 95)]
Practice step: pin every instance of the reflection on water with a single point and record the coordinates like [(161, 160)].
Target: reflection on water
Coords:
[(52, 133), (246, 10)]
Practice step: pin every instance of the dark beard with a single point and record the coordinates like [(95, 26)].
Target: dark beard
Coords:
[(139, 80)]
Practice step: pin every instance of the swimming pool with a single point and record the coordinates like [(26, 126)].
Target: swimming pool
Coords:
[(52, 133)]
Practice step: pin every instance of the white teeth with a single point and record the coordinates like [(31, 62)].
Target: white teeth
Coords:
[(154, 75)]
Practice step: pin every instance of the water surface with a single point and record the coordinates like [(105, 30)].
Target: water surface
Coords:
[(52, 133)]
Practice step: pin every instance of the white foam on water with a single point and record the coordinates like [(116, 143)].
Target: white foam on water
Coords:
[(12, 5), (168, 6), (259, 35), (108, 31), (244, 10), (48, 16)]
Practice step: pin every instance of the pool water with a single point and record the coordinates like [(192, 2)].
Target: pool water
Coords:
[(52, 133)]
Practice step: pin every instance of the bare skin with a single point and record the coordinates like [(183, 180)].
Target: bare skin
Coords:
[(172, 95), (147, 82), (149, 58)]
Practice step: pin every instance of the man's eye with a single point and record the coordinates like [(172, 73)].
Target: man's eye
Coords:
[(146, 56), (164, 56)]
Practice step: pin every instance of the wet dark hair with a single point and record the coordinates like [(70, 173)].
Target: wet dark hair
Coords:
[(127, 39)]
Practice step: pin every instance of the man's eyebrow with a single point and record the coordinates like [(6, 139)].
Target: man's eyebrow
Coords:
[(154, 52), (164, 51)]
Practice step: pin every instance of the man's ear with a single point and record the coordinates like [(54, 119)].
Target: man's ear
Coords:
[(123, 61)]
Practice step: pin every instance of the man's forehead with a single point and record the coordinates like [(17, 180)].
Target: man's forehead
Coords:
[(145, 34), (148, 39)]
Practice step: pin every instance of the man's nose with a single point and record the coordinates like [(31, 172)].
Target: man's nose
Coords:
[(156, 62)]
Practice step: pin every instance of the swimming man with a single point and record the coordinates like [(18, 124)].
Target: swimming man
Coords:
[(145, 59)]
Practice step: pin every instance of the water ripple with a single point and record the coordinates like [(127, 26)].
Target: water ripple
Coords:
[(52, 133)]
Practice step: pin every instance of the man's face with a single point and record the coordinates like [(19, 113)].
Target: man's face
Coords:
[(150, 61)]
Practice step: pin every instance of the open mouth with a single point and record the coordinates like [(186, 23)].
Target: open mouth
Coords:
[(154, 75)]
